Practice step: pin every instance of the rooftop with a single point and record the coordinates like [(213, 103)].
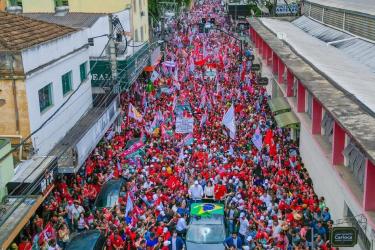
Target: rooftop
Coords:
[(19, 32), (299, 57), (330, 61), (73, 20), (361, 6)]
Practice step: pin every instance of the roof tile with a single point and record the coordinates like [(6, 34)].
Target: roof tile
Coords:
[(20, 32)]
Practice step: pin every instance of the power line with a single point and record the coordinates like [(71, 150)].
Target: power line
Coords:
[(54, 113)]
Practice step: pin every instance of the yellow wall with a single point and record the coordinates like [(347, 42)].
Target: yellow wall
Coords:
[(140, 21), (42, 6), (3, 5), (97, 6), (7, 111)]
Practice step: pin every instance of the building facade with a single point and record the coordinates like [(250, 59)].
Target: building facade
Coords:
[(335, 119), (33, 90), (139, 11)]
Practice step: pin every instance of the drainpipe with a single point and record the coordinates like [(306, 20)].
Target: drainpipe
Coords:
[(14, 88)]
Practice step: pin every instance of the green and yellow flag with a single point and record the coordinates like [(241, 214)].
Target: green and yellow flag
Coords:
[(206, 209)]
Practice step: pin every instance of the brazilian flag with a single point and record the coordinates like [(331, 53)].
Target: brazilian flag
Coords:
[(206, 209)]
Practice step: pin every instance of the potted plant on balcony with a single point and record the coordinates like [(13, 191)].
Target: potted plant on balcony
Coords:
[(14, 7)]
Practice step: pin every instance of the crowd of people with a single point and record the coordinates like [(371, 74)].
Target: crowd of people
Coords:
[(255, 169)]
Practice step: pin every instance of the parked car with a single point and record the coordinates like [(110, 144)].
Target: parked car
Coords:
[(88, 240), (109, 194)]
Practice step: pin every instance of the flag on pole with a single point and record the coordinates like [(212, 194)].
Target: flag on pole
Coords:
[(257, 139), (188, 140), (133, 113), (203, 119), (229, 121), (129, 205), (154, 76)]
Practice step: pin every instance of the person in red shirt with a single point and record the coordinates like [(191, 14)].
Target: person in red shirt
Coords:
[(115, 241), (25, 244), (219, 191)]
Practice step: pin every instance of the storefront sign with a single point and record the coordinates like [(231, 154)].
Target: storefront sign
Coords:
[(263, 81), (283, 9), (344, 236), (255, 67)]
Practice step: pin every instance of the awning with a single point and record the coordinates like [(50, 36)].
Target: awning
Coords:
[(278, 105), (287, 120), (20, 209), (37, 171)]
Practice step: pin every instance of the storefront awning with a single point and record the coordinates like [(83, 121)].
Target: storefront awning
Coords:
[(279, 105), (19, 211), (287, 120)]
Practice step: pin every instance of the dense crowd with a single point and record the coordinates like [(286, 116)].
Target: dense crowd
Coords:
[(268, 194)]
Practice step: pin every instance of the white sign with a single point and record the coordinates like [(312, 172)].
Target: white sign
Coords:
[(281, 35), (184, 125)]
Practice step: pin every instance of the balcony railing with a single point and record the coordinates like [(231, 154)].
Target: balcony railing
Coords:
[(130, 69)]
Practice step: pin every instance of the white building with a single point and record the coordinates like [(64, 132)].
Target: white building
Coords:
[(325, 74), (56, 74)]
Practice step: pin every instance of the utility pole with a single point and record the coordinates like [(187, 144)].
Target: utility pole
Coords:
[(112, 55)]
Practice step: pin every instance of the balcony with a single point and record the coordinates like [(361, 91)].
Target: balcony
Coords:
[(132, 67), (129, 67)]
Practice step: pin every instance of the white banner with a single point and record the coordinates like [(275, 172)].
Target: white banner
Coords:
[(184, 125)]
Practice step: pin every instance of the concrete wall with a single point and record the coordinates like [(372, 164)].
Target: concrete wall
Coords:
[(8, 112), (46, 139), (101, 27), (97, 6), (35, 6), (3, 4), (6, 167), (56, 58), (52, 50), (139, 21)]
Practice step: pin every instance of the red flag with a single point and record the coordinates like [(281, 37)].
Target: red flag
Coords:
[(268, 138)]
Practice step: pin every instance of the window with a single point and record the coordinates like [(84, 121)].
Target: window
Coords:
[(356, 162), (45, 97), (142, 34), (136, 35), (140, 4), (135, 5), (327, 125), (295, 85), (66, 80), (83, 71), (309, 104)]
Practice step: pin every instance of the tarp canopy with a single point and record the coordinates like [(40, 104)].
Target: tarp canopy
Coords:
[(286, 120), (206, 209), (278, 105)]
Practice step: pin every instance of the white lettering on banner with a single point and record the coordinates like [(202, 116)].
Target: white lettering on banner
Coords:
[(184, 125)]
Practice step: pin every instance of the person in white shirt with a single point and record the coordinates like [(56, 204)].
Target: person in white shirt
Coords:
[(209, 190), (196, 191), (181, 225), (266, 198), (244, 225)]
